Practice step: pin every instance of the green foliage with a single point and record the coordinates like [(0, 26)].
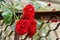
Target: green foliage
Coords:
[(7, 17), (7, 14), (2, 0), (17, 6)]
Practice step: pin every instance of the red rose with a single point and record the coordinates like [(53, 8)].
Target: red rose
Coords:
[(54, 20), (49, 4), (22, 26), (28, 11), (32, 28)]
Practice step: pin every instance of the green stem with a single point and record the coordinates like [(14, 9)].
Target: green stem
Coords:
[(13, 8)]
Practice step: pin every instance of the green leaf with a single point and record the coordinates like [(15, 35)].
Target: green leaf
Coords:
[(5, 9), (18, 7), (2, 0), (36, 36), (7, 17)]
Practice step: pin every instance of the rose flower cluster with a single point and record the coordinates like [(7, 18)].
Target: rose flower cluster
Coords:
[(27, 24)]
